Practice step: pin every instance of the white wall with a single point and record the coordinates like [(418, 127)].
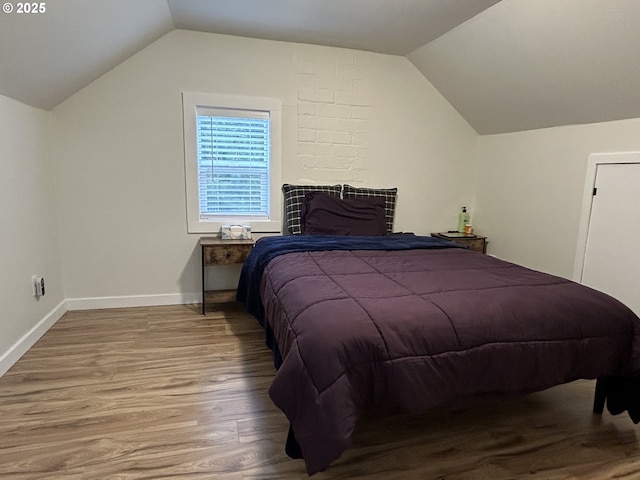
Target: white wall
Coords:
[(530, 186), (29, 237), (348, 117)]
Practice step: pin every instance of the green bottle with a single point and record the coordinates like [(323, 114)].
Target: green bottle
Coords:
[(463, 219)]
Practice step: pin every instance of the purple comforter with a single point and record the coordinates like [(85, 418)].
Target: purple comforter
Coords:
[(414, 328)]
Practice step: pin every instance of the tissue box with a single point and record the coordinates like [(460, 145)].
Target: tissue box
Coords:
[(235, 232)]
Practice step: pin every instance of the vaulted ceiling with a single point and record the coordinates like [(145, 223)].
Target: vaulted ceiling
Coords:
[(505, 65)]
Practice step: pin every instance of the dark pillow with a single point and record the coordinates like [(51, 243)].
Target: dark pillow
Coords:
[(389, 195), (293, 198), (323, 214)]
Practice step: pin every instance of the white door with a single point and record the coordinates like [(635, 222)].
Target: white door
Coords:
[(612, 256)]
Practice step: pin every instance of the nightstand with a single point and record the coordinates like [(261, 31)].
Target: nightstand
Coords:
[(476, 243), (217, 252)]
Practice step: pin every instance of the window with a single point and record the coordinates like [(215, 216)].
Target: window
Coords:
[(233, 152), (232, 162)]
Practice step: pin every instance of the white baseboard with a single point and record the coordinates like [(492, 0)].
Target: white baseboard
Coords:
[(11, 356), (92, 303)]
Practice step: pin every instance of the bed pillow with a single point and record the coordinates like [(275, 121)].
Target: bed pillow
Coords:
[(389, 195), (323, 214), (293, 198)]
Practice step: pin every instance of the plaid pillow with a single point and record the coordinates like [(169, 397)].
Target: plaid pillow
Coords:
[(389, 195), (294, 197)]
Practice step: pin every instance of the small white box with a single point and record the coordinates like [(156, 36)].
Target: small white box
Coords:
[(235, 232)]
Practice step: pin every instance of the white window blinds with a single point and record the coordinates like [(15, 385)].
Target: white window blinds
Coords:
[(233, 155)]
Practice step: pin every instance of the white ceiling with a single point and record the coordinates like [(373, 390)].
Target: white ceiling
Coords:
[(45, 58), (526, 64), (385, 26), (505, 65)]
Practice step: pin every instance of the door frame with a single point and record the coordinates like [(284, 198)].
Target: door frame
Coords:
[(593, 161)]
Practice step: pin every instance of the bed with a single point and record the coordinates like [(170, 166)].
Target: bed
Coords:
[(397, 320)]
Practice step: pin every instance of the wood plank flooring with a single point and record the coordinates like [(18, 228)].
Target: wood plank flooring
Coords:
[(163, 392)]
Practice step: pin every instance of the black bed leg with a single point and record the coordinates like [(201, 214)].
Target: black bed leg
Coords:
[(291, 448), (600, 395)]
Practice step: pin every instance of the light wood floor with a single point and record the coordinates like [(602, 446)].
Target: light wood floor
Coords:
[(162, 392)]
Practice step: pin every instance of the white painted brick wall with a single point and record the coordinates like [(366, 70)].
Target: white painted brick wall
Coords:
[(334, 103), (307, 135)]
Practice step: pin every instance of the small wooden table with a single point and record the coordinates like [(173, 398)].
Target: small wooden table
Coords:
[(476, 243), (221, 252)]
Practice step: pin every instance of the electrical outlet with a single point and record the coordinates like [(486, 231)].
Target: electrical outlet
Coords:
[(38, 286)]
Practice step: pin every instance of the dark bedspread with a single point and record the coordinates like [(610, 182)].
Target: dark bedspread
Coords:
[(266, 249), (413, 327)]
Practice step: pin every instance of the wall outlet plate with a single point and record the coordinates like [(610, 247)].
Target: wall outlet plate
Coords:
[(38, 286)]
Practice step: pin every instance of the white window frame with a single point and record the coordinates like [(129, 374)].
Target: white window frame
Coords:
[(190, 102)]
